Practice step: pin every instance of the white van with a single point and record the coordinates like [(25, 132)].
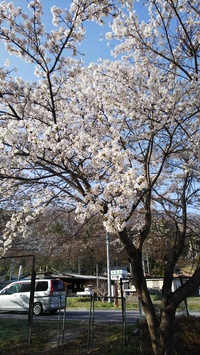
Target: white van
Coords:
[(49, 296)]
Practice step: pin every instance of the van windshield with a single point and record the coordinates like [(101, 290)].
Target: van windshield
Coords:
[(12, 289)]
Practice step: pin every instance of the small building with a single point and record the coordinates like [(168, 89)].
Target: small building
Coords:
[(76, 283)]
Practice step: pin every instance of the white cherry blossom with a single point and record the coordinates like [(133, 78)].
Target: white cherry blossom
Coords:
[(119, 138)]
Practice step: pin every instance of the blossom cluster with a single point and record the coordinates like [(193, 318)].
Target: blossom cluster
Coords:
[(98, 139)]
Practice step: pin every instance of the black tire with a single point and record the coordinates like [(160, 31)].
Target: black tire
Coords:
[(37, 309)]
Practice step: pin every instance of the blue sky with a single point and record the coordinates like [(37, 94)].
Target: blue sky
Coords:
[(92, 47)]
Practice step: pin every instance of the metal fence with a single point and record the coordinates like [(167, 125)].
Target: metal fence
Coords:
[(12, 328), (126, 314), (53, 331), (18, 306), (56, 330)]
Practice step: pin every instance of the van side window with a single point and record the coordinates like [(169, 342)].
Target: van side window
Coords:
[(41, 286), (25, 287)]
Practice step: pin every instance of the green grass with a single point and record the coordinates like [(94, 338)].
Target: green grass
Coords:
[(108, 338), (14, 329), (14, 335), (131, 303), (193, 303), (84, 302)]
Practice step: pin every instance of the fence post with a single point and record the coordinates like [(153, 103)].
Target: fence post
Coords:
[(123, 312), (31, 301), (185, 300), (63, 323), (91, 325)]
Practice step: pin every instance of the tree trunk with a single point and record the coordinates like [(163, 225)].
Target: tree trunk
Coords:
[(166, 332), (147, 305), (161, 327), (162, 335)]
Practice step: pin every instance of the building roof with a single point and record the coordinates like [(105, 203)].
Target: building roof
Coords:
[(79, 276)]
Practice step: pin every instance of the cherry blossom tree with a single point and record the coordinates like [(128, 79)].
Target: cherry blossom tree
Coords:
[(118, 138)]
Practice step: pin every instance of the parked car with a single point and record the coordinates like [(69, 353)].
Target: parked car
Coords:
[(87, 292), (49, 296)]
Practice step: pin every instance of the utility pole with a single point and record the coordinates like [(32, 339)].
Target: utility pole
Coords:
[(97, 275), (20, 272), (108, 266), (79, 266)]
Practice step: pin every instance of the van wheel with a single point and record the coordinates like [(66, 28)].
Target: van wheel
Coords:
[(37, 309)]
